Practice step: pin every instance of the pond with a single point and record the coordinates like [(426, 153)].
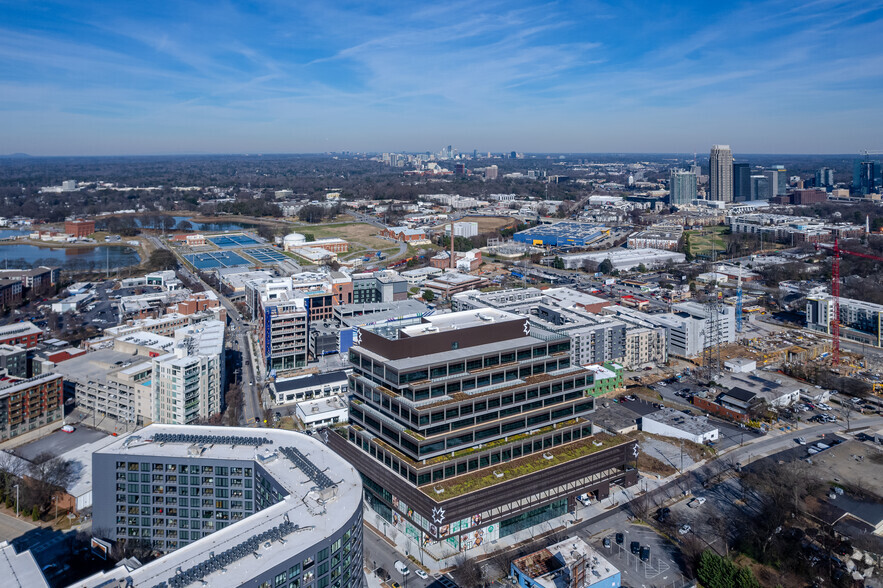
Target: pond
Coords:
[(155, 221), (68, 258)]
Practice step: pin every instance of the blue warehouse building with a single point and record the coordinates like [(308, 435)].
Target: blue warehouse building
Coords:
[(563, 234)]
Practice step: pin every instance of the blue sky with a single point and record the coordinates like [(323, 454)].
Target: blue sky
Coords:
[(100, 77)]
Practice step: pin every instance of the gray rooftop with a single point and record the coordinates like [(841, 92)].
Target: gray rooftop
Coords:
[(678, 420)]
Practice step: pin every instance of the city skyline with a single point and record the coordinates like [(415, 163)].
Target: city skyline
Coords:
[(83, 79)]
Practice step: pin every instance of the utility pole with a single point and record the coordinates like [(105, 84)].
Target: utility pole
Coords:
[(16, 501)]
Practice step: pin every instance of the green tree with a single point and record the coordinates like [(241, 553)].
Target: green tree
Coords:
[(606, 266), (642, 268), (428, 295), (715, 571), (745, 579), (35, 513), (558, 263)]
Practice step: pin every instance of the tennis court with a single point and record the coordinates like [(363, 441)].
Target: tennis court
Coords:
[(266, 255), (213, 259), (230, 241)]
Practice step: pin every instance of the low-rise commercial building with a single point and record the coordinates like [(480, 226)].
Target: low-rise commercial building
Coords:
[(322, 412), (299, 388), (669, 422), (667, 238), (625, 259), (566, 564)]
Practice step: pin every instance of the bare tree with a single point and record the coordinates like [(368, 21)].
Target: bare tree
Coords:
[(47, 474), (468, 572), (846, 410)]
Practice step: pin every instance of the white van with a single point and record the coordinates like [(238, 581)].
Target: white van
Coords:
[(401, 567)]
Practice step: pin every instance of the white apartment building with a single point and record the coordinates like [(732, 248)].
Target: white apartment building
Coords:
[(188, 382)]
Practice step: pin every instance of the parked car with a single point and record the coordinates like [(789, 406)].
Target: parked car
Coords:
[(607, 542), (635, 547), (684, 529), (421, 574), (801, 441), (696, 502), (620, 538), (645, 553)]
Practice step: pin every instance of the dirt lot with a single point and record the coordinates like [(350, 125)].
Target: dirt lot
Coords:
[(487, 224), (361, 233)]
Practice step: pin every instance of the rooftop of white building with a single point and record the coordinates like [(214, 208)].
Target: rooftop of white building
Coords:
[(323, 492)]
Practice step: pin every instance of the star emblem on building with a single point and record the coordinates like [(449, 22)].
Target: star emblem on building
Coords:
[(527, 327), (438, 514)]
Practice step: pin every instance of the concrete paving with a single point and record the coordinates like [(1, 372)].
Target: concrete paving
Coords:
[(11, 527)]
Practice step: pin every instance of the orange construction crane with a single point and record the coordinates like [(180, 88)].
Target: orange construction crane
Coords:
[(835, 292)]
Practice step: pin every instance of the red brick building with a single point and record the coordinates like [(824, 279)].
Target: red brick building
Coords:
[(809, 196), (25, 334), (79, 228)]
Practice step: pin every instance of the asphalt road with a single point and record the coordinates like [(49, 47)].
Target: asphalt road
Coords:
[(252, 409)]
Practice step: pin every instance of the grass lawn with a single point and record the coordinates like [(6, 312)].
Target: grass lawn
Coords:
[(701, 244), (361, 233)]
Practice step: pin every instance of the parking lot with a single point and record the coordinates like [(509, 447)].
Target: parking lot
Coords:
[(662, 569)]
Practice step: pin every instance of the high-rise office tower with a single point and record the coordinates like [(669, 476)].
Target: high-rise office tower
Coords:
[(867, 176), (720, 173), (825, 178), (781, 186), (682, 187), (741, 182), (772, 177), (761, 188)]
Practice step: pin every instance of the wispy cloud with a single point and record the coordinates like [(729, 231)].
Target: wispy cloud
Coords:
[(560, 75)]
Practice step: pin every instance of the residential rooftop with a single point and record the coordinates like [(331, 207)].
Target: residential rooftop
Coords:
[(324, 491)]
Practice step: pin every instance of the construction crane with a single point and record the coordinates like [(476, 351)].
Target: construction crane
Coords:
[(835, 292), (739, 301)]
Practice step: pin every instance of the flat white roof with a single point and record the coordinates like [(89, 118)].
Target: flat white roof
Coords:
[(316, 517), (460, 320)]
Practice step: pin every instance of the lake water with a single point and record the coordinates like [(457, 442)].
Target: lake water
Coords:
[(69, 258), (152, 222)]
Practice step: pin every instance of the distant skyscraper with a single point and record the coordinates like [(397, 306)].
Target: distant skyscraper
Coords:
[(490, 172), (741, 182), (475, 154), (772, 177), (760, 187), (825, 178), (720, 173), (682, 187), (866, 177), (781, 187)]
